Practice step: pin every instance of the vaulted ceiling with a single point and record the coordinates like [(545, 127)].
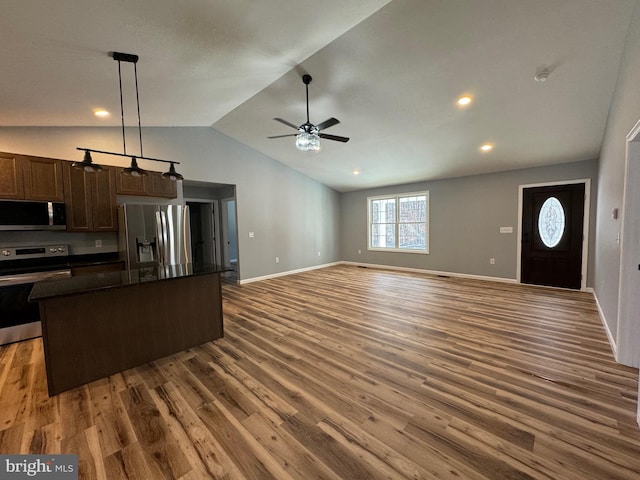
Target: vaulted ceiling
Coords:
[(390, 71)]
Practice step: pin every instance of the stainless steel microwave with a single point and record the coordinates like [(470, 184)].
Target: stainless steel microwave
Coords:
[(28, 215)]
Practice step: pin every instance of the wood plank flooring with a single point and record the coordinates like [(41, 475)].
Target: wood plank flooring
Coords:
[(352, 373)]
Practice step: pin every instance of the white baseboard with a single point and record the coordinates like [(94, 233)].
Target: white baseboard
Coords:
[(603, 319), (384, 267), (432, 272), (288, 272)]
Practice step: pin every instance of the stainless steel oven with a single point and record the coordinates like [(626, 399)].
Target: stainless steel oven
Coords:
[(20, 268)]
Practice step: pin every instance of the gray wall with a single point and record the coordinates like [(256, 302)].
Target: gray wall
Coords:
[(466, 215), (623, 115), (292, 216)]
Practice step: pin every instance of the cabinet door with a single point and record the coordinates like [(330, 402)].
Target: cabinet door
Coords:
[(90, 200), (11, 184), (77, 199), (151, 185), (161, 187), (127, 185), (43, 179), (103, 201)]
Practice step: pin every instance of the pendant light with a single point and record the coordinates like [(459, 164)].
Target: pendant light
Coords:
[(133, 170), (87, 164), (172, 174)]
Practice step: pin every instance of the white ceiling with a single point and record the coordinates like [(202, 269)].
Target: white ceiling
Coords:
[(389, 70)]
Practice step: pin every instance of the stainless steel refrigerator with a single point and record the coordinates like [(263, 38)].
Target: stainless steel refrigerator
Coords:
[(154, 234)]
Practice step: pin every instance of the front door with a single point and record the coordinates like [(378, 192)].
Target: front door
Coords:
[(552, 235)]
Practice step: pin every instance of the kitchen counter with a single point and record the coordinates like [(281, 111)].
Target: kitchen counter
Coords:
[(100, 324), (107, 280)]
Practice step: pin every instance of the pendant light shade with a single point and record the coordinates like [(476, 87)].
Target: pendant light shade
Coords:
[(172, 174), (87, 164), (134, 170)]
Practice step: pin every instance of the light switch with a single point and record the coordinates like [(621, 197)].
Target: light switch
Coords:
[(251, 234)]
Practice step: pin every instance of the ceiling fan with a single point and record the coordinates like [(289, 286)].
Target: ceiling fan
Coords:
[(309, 135)]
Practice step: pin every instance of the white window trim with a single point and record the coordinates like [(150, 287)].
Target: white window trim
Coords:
[(399, 250)]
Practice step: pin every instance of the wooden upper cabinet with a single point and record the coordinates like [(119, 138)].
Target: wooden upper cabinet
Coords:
[(151, 185), (31, 178), (42, 179), (90, 200), (103, 200), (128, 185), (77, 199), (161, 186), (11, 184)]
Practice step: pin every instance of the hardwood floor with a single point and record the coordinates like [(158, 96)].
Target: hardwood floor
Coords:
[(352, 373)]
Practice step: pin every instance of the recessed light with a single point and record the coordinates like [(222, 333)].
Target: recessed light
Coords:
[(101, 113), (464, 100), (487, 147), (356, 172)]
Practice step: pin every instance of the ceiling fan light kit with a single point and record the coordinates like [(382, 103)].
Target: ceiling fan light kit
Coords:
[(308, 136), (133, 170), (308, 142)]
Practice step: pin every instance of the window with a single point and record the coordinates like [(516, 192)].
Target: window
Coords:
[(399, 222)]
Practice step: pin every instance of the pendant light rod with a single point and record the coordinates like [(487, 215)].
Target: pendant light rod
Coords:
[(135, 73), (306, 79), (84, 149), (124, 138), (129, 58)]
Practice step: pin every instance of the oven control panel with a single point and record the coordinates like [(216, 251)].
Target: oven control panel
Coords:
[(40, 251)]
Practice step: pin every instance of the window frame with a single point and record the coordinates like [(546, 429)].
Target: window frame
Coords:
[(397, 197)]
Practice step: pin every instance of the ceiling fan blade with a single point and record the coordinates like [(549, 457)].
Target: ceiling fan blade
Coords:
[(334, 137), (289, 124), (282, 136), (328, 123)]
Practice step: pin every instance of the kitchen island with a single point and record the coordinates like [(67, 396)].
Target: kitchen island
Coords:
[(96, 325)]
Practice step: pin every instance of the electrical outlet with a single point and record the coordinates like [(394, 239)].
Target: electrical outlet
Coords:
[(251, 234), (359, 252), (492, 261), (277, 259), (318, 253), (98, 243)]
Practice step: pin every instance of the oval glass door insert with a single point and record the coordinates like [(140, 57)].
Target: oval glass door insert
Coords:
[(551, 222)]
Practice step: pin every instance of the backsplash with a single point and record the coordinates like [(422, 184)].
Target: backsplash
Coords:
[(79, 243)]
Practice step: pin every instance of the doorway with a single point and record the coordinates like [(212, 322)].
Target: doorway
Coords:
[(553, 235), (204, 248)]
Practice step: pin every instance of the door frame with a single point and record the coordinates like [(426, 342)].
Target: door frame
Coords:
[(585, 225), (627, 351), (224, 230)]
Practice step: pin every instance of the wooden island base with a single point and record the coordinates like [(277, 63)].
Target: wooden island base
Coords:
[(91, 335)]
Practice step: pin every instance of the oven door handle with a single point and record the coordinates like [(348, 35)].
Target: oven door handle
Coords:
[(22, 278)]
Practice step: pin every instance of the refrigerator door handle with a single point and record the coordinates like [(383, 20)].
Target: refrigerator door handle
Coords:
[(161, 226)]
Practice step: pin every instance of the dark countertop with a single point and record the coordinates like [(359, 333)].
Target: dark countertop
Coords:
[(105, 280)]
